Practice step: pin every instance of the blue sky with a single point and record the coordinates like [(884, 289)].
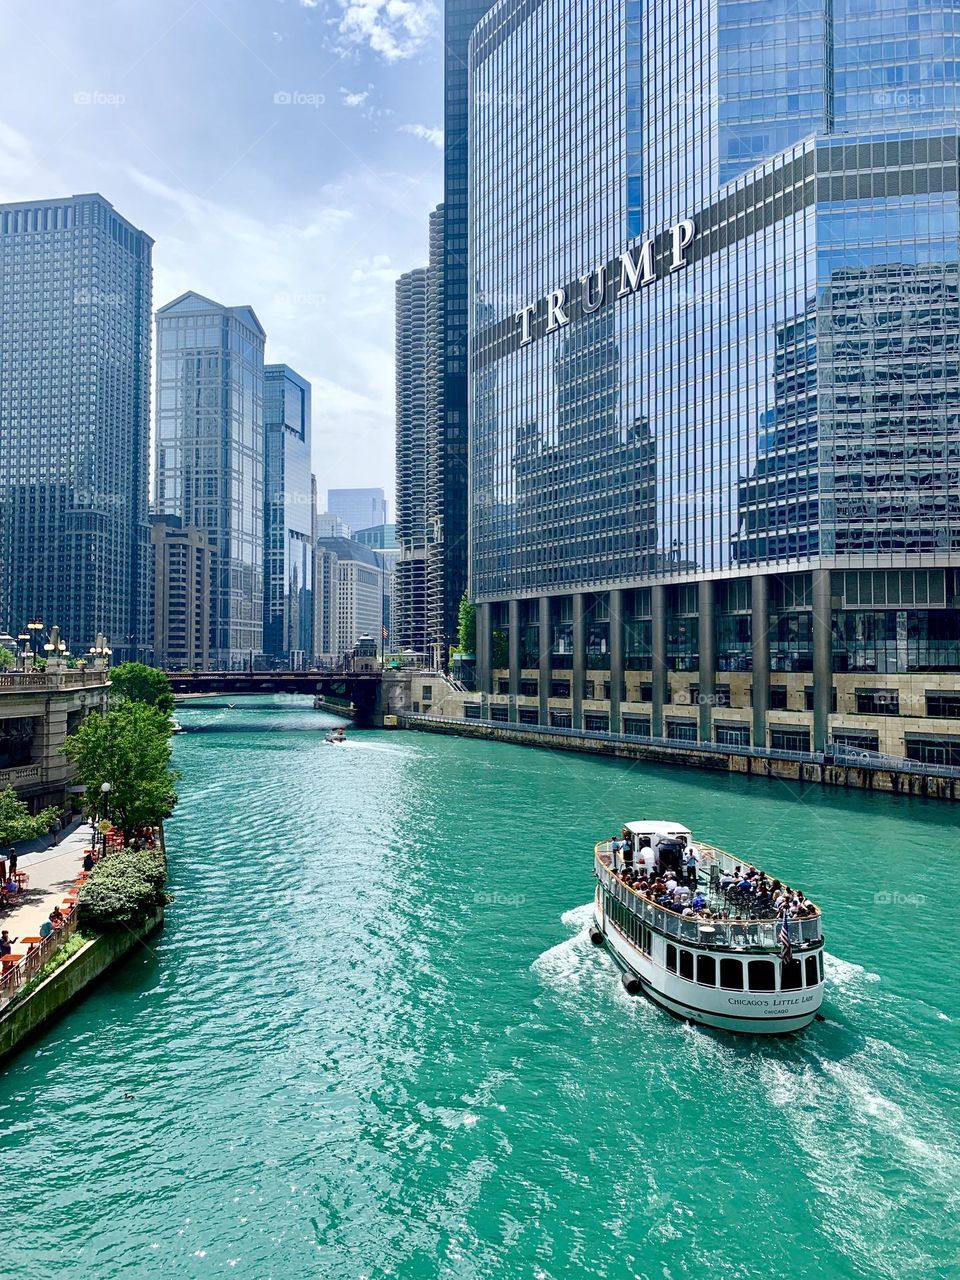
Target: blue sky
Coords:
[(282, 153)]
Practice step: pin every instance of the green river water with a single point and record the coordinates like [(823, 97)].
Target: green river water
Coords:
[(374, 1040)]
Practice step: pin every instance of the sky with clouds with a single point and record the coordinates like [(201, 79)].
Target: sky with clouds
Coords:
[(282, 153)]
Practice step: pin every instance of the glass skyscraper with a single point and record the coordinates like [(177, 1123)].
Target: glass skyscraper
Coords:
[(409, 629), (288, 517), (358, 508), (715, 370), (75, 304), (209, 456)]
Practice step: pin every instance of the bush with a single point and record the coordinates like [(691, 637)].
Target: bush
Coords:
[(125, 888)]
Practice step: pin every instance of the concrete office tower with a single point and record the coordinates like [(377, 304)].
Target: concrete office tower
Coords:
[(210, 451), (288, 519), (75, 303), (182, 577), (409, 631), (358, 508), (715, 431)]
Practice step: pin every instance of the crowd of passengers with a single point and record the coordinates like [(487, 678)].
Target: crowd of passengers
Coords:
[(668, 873)]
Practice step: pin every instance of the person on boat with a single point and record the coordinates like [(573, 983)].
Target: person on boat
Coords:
[(698, 902), (691, 861)]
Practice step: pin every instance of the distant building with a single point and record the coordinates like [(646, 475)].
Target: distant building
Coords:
[(383, 537), (355, 596), (330, 526), (288, 518), (210, 450), (358, 508), (182, 573), (75, 303), (410, 581)]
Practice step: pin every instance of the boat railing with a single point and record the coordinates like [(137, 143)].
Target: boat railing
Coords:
[(740, 934)]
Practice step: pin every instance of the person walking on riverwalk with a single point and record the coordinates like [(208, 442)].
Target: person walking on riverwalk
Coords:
[(12, 859), (6, 943)]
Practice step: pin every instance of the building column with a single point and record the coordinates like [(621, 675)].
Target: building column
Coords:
[(484, 668), (707, 658), (658, 660), (822, 657), (546, 659), (513, 638), (579, 658), (760, 638), (615, 610)]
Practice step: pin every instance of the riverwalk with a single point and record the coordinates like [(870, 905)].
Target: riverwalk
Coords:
[(51, 872)]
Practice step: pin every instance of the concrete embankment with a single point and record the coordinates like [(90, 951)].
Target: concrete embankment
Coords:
[(29, 1016), (931, 786)]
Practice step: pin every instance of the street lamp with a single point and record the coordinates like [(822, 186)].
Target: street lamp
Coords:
[(55, 649), (23, 648), (105, 790), (35, 626), (100, 652)]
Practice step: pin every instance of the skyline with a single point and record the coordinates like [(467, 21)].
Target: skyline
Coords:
[(107, 101)]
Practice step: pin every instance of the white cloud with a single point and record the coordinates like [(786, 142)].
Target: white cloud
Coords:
[(350, 98), (432, 135), (395, 29)]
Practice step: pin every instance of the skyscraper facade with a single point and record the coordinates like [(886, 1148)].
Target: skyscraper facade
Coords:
[(75, 306), (449, 552), (210, 455), (358, 508), (288, 518), (409, 630), (715, 397)]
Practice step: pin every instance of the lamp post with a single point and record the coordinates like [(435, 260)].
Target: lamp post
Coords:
[(35, 626), (23, 648), (55, 649), (105, 790), (100, 652)]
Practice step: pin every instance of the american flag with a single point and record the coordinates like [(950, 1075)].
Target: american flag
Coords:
[(786, 951)]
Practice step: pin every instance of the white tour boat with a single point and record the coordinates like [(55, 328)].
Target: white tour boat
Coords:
[(733, 961)]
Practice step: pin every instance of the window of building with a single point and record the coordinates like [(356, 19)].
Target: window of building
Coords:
[(637, 726), (857, 739), (561, 719), (559, 688), (878, 702), (731, 974), (732, 735), (671, 957), (589, 691), (498, 711), (503, 685), (686, 965), (763, 975), (778, 697), (472, 711), (808, 698), (933, 750), (707, 971), (788, 739), (528, 715), (529, 688), (682, 730), (427, 692), (646, 693), (945, 704)]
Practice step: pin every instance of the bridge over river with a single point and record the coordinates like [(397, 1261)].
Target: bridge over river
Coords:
[(362, 689)]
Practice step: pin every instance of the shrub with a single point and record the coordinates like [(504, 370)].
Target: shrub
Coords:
[(124, 889)]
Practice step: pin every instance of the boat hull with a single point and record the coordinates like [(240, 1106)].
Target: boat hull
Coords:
[(745, 1012)]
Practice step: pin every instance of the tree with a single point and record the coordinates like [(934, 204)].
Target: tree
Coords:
[(500, 649), (7, 660), (16, 821), (130, 748), (136, 682), (124, 889), (467, 626)]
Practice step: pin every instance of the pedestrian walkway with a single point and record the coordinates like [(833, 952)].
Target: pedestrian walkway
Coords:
[(52, 872)]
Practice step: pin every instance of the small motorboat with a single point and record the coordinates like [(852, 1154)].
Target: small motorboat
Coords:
[(335, 736)]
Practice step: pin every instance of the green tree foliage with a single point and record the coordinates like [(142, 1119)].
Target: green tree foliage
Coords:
[(500, 649), (17, 823), (7, 660), (123, 889), (135, 682), (467, 626), (129, 747)]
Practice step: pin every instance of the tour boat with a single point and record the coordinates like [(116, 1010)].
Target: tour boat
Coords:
[(335, 736), (727, 965)]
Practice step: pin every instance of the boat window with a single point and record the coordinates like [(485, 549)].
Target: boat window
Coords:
[(671, 957), (820, 962), (647, 935), (686, 965), (762, 975), (707, 971), (791, 976), (812, 972), (731, 974)]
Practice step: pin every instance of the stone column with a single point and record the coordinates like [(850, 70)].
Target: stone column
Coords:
[(822, 658), (658, 660), (579, 657), (708, 658), (513, 623), (546, 659), (760, 636), (484, 669), (616, 657)]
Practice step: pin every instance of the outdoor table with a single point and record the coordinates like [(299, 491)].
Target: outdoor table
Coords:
[(13, 958), (32, 939)]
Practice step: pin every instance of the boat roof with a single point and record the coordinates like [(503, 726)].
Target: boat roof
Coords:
[(648, 828)]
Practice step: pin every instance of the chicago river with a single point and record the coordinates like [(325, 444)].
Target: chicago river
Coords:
[(374, 1039)]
